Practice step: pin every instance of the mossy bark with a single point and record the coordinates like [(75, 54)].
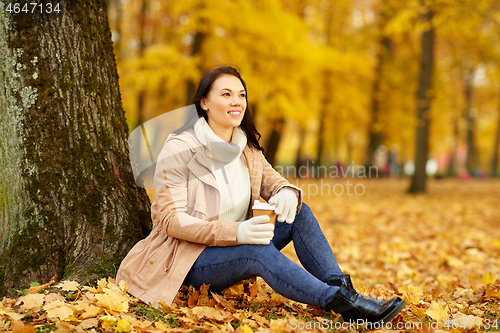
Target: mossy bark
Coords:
[(68, 201)]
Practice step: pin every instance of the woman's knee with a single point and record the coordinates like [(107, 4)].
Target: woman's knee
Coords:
[(305, 215)]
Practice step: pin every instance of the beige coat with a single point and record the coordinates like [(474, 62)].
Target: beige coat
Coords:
[(185, 217)]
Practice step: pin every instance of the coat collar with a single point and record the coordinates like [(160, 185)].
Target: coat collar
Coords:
[(199, 150)]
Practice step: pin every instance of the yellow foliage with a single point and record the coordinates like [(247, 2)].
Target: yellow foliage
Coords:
[(438, 312)]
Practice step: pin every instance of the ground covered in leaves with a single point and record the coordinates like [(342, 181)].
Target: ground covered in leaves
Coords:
[(440, 252)]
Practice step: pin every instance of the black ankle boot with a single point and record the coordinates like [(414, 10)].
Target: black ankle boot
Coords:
[(343, 280), (353, 307)]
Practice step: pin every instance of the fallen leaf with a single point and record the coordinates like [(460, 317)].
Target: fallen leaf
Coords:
[(467, 320), (64, 327), (234, 290), (438, 312), (113, 301), (411, 294), (32, 302), (123, 326), (123, 286), (19, 327), (162, 326), (488, 278), (193, 300), (11, 314), (68, 285), (209, 313), (58, 309), (89, 323), (244, 329), (107, 321), (87, 310)]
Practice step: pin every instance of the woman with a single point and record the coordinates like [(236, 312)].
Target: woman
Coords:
[(203, 231)]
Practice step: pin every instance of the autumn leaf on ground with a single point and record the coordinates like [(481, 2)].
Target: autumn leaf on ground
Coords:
[(234, 290), (19, 327), (209, 313), (68, 285), (11, 314), (123, 326), (488, 278), (107, 321), (87, 310), (32, 302), (467, 320), (411, 294), (113, 301), (438, 312), (58, 309)]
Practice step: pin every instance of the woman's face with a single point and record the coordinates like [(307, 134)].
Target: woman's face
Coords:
[(225, 105)]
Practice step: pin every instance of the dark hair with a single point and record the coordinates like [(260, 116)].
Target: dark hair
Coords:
[(206, 82)]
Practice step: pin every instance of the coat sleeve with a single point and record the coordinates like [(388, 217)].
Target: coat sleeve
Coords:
[(272, 182), (171, 193)]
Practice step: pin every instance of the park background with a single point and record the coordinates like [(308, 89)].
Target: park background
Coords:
[(329, 83)]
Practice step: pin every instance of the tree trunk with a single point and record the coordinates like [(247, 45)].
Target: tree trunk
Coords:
[(494, 158), (375, 136), (423, 103), (470, 121), (374, 131), (142, 46), (274, 140), (69, 204), (300, 147), (452, 169), (191, 86), (320, 138)]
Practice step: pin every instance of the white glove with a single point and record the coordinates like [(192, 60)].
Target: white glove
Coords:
[(256, 230), (286, 201)]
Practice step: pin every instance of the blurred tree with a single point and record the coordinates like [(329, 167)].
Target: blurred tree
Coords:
[(274, 140), (383, 51), (470, 115), (140, 53), (424, 96), (496, 147), (69, 202)]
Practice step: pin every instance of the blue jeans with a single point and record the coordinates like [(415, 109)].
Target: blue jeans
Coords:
[(222, 267)]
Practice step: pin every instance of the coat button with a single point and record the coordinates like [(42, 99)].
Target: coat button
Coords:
[(151, 262), (192, 165), (206, 178), (251, 160)]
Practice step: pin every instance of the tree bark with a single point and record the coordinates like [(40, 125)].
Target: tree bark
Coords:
[(69, 204), (419, 178)]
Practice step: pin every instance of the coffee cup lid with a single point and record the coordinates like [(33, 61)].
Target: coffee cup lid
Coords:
[(262, 205)]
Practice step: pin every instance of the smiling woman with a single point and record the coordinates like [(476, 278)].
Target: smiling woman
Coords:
[(204, 231), (225, 105)]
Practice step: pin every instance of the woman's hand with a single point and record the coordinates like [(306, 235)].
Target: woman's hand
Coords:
[(286, 201), (256, 230)]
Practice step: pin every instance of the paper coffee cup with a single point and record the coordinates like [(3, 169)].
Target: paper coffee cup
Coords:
[(262, 208)]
